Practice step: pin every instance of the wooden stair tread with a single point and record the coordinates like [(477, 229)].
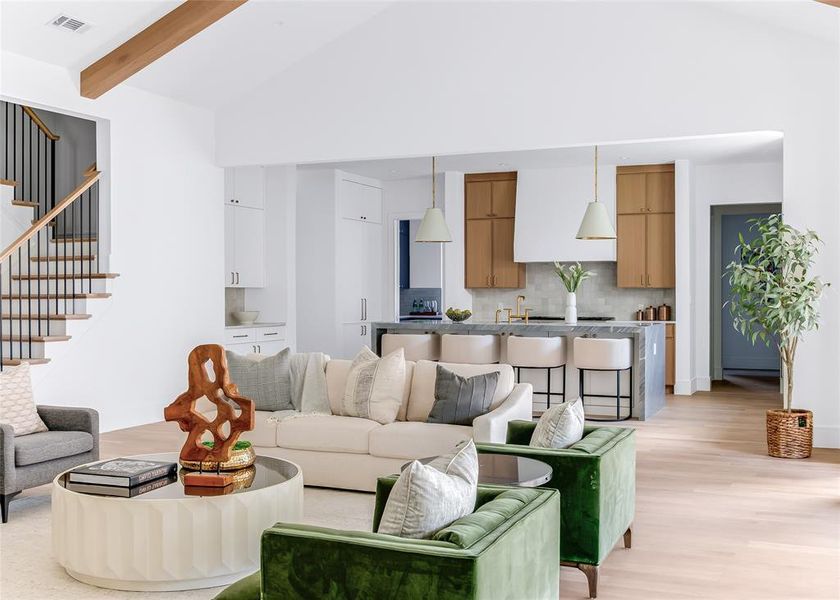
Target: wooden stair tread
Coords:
[(25, 203), (8, 182), (14, 362), (43, 317), (79, 296), (40, 339), (60, 276), (70, 258), (74, 240)]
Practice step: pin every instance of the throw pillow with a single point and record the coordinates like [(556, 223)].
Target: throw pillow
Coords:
[(265, 380), (374, 388), (426, 498), (17, 406), (459, 400), (560, 426)]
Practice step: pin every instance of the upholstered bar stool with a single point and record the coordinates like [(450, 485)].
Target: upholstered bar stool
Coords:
[(424, 346), (470, 349), (602, 354), (547, 353)]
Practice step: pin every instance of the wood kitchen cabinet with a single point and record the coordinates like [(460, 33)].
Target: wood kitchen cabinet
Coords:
[(645, 245), (490, 209)]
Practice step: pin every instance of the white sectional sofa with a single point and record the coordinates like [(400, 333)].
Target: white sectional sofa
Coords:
[(350, 453)]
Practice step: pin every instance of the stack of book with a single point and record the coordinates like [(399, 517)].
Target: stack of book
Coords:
[(124, 477)]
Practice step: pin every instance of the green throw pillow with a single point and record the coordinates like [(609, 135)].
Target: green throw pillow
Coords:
[(459, 400), (266, 381)]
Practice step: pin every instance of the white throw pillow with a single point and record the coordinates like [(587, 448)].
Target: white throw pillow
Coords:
[(560, 426), (17, 406), (374, 388), (427, 498)]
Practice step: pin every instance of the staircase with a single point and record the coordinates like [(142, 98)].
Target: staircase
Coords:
[(50, 280)]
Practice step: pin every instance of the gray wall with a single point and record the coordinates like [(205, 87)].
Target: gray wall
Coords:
[(598, 296)]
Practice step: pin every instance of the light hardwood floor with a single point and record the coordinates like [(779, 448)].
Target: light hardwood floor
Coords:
[(716, 518)]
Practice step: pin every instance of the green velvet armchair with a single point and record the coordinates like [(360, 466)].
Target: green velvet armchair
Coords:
[(596, 478), (508, 550)]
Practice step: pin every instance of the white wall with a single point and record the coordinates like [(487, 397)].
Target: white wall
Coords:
[(610, 80), (277, 301), (74, 152), (714, 185), (550, 204), (157, 159)]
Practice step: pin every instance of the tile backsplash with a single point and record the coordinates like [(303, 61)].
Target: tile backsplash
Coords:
[(234, 302), (597, 296)]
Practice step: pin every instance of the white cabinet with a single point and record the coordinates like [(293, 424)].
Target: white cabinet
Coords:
[(360, 201), (244, 247), (256, 340), (245, 186), (352, 336)]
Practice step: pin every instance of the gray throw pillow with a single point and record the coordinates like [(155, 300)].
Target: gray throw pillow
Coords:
[(459, 400), (266, 381)]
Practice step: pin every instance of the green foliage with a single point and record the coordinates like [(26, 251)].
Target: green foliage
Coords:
[(458, 314), (773, 297), (572, 275), (239, 445)]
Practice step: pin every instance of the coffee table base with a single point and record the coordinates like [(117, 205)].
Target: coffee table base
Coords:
[(167, 545)]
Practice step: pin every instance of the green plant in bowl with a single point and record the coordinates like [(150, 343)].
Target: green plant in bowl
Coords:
[(457, 315), (239, 445)]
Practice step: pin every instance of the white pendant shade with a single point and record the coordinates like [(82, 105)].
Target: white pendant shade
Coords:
[(596, 223), (433, 227)]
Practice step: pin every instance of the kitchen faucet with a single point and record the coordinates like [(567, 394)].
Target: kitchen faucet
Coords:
[(511, 315)]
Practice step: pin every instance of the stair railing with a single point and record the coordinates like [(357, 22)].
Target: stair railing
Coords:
[(28, 160), (47, 268)]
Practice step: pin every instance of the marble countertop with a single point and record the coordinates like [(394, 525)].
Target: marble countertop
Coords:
[(257, 324), (534, 326)]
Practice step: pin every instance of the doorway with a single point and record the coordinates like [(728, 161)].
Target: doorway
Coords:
[(419, 274), (734, 358)]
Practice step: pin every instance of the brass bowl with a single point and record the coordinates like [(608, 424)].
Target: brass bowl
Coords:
[(239, 459)]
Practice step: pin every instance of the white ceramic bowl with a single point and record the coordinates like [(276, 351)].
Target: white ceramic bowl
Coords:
[(245, 317)]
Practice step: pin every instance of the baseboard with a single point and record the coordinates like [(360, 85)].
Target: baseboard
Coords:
[(703, 384), (685, 387), (827, 437)]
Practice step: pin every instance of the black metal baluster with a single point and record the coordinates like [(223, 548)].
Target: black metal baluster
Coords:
[(28, 295), (20, 309), (73, 257), (38, 241)]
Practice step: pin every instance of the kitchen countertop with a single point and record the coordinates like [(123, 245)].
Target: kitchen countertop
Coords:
[(257, 324)]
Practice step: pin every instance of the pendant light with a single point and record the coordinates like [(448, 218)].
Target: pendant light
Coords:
[(433, 227), (596, 224)]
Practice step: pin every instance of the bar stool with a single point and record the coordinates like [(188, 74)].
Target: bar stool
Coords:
[(547, 353), (424, 346), (469, 349), (601, 354)]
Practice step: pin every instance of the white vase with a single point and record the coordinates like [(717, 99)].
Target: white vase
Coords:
[(571, 308)]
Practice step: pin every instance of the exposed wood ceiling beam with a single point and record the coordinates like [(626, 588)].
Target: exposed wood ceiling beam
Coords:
[(834, 3), (168, 32)]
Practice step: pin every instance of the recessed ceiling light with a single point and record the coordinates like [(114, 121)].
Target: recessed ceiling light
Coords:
[(394, 171), (503, 164), (624, 158)]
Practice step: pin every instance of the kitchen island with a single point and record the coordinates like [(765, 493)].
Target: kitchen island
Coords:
[(648, 348)]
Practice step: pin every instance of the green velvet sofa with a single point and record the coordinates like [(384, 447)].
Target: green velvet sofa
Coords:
[(507, 549), (596, 478)]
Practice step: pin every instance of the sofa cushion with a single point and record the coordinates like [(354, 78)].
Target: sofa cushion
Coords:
[(264, 432), (49, 445), (422, 396), (17, 406), (459, 400), (468, 530), (375, 386), (326, 433), (408, 440), (428, 497), (264, 379), (337, 371)]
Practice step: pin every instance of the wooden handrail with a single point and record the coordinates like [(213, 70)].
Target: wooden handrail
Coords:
[(90, 170), (41, 125), (52, 214)]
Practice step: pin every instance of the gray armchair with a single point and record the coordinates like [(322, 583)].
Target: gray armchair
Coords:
[(31, 460)]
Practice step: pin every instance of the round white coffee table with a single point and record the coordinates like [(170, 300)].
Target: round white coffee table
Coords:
[(167, 539)]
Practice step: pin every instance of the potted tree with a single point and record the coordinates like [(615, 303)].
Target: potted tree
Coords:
[(776, 301)]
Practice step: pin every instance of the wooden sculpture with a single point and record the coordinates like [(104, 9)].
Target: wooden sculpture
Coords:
[(218, 391)]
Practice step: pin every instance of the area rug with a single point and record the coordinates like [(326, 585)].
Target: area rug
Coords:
[(29, 572)]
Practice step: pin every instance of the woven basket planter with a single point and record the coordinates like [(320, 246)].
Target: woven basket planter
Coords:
[(790, 434)]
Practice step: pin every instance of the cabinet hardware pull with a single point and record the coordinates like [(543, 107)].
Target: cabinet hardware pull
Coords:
[(268, 334), (259, 349), (489, 283), (361, 309), (642, 280), (366, 313), (231, 278), (494, 281), (648, 280), (241, 336), (237, 278)]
